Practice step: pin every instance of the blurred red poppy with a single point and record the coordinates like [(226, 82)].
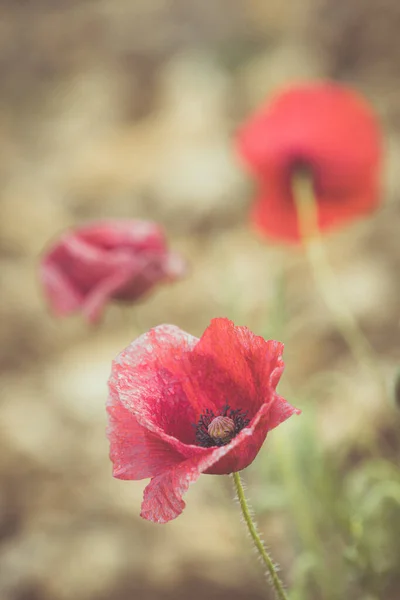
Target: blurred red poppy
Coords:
[(325, 129), (106, 260), (180, 406)]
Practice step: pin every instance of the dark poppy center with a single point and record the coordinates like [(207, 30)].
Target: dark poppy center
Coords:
[(300, 167), (219, 429)]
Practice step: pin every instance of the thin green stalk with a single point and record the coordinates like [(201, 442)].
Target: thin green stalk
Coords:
[(304, 197), (274, 578), (300, 498)]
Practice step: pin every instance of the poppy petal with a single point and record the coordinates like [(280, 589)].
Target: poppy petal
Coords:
[(326, 129), (150, 381), (106, 260), (140, 235), (136, 453), (61, 294), (162, 499), (93, 304), (235, 367), (158, 386)]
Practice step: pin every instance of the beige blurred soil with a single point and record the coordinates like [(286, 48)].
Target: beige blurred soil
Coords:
[(128, 109)]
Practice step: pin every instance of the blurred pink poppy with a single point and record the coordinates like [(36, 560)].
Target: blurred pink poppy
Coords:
[(106, 260)]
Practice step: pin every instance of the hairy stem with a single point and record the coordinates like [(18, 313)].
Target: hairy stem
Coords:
[(258, 543)]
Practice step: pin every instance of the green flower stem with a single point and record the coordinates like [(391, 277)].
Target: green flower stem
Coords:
[(246, 511), (304, 197)]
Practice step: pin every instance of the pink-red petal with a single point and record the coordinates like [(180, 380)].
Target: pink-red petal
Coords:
[(136, 453), (163, 497), (106, 260), (133, 234), (97, 298), (233, 366), (163, 381), (329, 130), (60, 292), (151, 382)]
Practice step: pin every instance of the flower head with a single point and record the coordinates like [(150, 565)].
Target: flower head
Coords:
[(180, 406), (327, 130), (106, 260)]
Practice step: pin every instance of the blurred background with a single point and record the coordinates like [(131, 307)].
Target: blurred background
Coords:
[(128, 109)]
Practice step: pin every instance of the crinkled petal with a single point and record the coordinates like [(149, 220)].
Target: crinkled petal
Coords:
[(269, 416), (150, 381), (280, 411), (168, 378), (163, 500), (233, 366), (136, 452)]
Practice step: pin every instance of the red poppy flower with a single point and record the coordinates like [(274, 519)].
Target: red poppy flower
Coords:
[(114, 259), (326, 129), (180, 406)]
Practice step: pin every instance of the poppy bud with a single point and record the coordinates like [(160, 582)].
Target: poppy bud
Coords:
[(106, 260)]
